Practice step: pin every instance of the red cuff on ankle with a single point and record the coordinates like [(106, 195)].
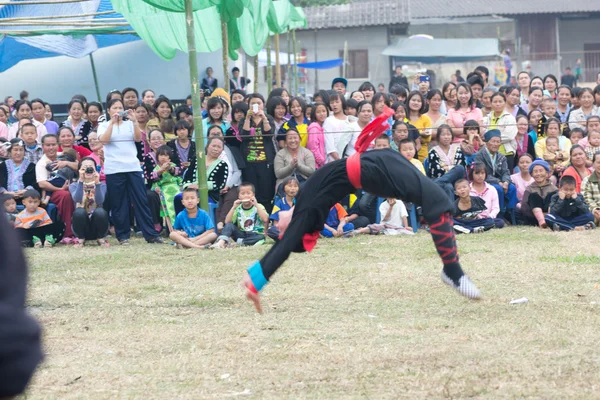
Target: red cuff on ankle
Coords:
[(250, 287)]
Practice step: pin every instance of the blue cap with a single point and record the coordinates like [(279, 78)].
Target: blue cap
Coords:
[(339, 79), (541, 163)]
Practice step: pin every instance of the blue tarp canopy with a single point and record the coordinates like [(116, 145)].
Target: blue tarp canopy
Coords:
[(327, 64), (14, 49), (435, 51)]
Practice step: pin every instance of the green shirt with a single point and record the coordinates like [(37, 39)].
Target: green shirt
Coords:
[(248, 219)]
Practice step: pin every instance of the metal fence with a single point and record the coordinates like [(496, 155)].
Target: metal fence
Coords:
[(585, 64)]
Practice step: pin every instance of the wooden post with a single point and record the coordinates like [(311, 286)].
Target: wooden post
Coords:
[(95, 79), (269, 67), (256, 73), (288, 71), (196, 106), (225, 56), (277, 63), (295, 63)]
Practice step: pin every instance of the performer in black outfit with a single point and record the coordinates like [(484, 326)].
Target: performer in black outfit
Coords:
[(384, 173), (20, 349)]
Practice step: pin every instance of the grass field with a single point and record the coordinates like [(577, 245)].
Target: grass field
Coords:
[(366, 317)]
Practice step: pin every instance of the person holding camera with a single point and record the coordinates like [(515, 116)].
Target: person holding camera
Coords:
[(90, 220), (124, 178)]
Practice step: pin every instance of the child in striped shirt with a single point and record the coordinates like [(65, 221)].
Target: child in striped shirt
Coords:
[(33, 224)]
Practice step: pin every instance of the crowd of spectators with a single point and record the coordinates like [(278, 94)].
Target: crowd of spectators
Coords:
[(504, 155)]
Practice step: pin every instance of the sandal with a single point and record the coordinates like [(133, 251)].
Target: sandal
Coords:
[(103, 243), (78, 243), (124, 242)]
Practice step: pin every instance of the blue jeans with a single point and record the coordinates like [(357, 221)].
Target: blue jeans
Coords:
[(124, 189), (347, 228), (507, 200), (571, 223), (448, 180)]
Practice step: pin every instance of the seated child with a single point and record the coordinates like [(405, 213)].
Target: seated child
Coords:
[(557, 159), (245, 222), (468, 211), (290, 188), (193, 228), (59, 177), (576, 135), (10, 208), (33, 224), (593, 146), (168, 185), (394, 219), (482, 189), (472, 141), (407, 148), (33, 150), (382, 142), (336, 225), (568, 210)]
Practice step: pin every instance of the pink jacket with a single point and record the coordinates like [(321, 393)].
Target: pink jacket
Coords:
[(490, 196), (316, 143)]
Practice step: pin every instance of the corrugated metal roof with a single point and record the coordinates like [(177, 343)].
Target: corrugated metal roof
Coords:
[(366, 13), (466, 8)]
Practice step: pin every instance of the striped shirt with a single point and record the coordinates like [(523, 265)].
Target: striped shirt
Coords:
[(25, 218)]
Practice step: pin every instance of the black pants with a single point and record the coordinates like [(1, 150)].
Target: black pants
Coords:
[(90, 227), (125, 189), (239, 236), (367, 206), (154, 205), (56, 230), (384, 173), (262, 176)]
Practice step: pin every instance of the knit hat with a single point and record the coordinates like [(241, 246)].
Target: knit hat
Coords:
[(490, 134), (541, 163), (220, 92)]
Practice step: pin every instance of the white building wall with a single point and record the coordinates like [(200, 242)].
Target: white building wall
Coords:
[(133, 64), (326, 45)]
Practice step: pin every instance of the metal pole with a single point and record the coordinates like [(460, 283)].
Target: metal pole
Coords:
[(295, 62), (225, 56), (196, 106), (95, 78), (277, 63), (269, 67)]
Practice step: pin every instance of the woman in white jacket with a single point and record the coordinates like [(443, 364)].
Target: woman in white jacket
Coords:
[(502, 120)]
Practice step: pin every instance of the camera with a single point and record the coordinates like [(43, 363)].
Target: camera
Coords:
[(123, 114), (89, 170)]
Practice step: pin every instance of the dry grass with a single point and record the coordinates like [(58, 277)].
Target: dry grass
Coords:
[(366, 317)]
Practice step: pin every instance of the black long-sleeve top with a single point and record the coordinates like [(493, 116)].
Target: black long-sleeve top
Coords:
[(20, 344)]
